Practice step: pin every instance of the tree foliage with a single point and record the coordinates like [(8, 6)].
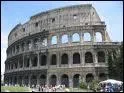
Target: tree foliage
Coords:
[(115, 63)]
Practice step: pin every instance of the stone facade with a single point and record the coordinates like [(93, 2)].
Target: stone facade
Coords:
[(32, 58)]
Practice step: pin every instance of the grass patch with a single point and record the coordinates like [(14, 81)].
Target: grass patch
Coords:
[(15, 89), (79, 90)]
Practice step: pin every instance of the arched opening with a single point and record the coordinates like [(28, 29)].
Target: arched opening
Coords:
[(43, 60), (34, 61), (65, 80), (53, 80), (101, 56), (20, 80), (26, 80), (15, 80), (64, 38), (76, 58), (36, 43), (33, 80), (88, 57), (75, 37), (53, 59), (54, 40), (27, 61), (89, 78), (87, 37), (64, 59), (76, 80), (20, 62), (102, 76), (98, 37), (22, 46), (42, 80)]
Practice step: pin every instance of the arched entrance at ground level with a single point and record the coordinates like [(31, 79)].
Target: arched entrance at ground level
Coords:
[(42, 80), (15, 80), (33, 80), (65, 80), (76, 80), (53, 80), (10, 80), (102, 76), (89, 78), (26, 80), (20, 80)]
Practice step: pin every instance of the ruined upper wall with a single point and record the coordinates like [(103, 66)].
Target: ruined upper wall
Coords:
[(76, 15)]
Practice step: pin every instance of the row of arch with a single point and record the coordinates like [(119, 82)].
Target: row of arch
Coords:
[(64, 79), (76, 38), (53, 60)]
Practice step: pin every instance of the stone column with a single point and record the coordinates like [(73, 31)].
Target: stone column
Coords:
[(23, 63), (70, 38), (82, 57), (58, 80), (38, 63), (70, 81), (29, 82), (23, 80), (47, 79), (95, 58), (30, 60), (81, 38), (58, 59), (38, 80), (70, 58), (93, 36)]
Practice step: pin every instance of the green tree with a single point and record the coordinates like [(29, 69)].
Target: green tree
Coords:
[(115, 63)]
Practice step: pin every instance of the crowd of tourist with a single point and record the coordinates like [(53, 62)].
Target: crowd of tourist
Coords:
[(50, 88), (111, 87)]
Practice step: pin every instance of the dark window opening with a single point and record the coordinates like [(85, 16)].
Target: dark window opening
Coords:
[(88, 57), (36, 24), (53, 59), (43, 60), (53, 20), (64, 59), (76, 58)]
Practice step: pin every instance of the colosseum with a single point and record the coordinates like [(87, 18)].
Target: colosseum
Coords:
[(58, 46)]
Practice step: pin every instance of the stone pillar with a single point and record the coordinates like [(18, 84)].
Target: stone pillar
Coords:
[(18, 63), (57, 55), (70, 58), (70, 38), (95, 58), (29, 82), (82, 57), (30, 60), (48, 60), (38, 80), (38, 63), (22, 80), (58, 80), (81, 37), (47, 79), (58, 39), (93, 36), (70, 81), (23, 63)]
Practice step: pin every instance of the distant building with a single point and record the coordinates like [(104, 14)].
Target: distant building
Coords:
[(37, 52)]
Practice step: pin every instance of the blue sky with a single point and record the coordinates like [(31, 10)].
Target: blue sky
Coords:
[(14, 12)]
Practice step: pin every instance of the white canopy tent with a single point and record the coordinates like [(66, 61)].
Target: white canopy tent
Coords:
[(112, 81)]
